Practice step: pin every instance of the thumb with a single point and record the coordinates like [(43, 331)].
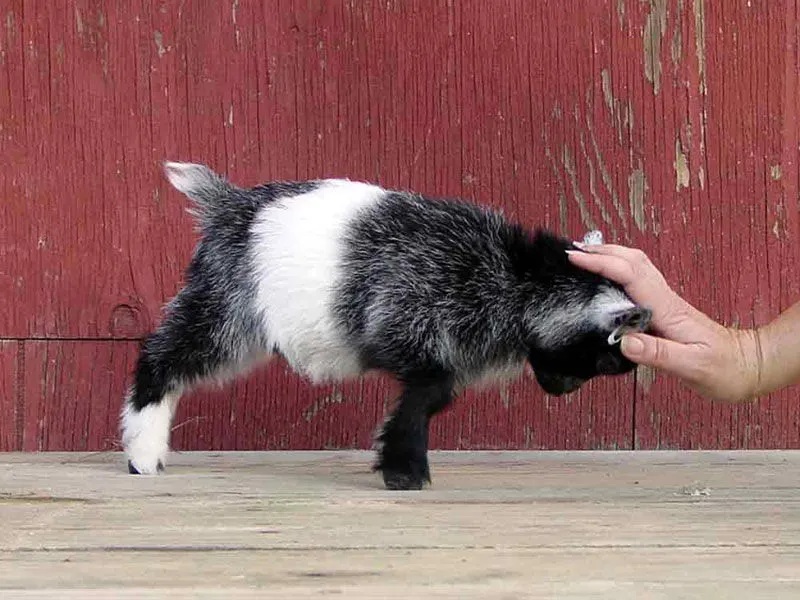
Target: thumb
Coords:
[(662, 354)]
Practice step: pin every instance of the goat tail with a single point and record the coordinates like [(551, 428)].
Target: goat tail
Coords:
[(202, 185)]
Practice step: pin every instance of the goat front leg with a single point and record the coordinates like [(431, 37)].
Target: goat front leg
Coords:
[(403, 441)]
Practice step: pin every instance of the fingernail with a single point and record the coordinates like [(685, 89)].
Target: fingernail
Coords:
[(580, 245), (632, 346)]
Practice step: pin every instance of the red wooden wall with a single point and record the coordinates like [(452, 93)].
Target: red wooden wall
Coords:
[(671, 124)]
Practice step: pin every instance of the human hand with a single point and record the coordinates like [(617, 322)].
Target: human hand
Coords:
[(719, 362)]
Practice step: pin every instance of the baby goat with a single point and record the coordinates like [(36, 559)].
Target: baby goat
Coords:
[(340, 278)]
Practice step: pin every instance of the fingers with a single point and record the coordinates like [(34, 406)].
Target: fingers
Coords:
[(712, 368), (678, 359), (637, 263), (629, 268), (612, 267), (642, 281), (630, 254)]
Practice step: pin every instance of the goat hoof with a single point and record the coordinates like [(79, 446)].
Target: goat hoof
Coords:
[(134, 471), (397, 480)]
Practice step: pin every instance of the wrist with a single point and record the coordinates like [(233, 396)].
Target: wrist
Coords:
[(750, 345)]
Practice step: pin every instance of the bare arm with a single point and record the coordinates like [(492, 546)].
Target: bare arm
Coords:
[(719, 362), (780, 350)]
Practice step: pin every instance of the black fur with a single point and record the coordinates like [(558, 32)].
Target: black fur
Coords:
[(431, 267), (403, 457), (416, 270)]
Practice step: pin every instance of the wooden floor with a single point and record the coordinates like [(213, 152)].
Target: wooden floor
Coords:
[(319, 524)]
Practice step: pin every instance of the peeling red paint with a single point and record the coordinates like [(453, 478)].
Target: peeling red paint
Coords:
[(546, 111)]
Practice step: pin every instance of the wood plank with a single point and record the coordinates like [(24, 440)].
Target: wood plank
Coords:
[(468, 573), (73, 394), (274, 409), (667, 419), (118, 85), (275, 92), (10, 354), (595, 525)]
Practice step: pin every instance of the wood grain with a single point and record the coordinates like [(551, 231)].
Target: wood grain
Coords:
[(494, 525), (672, 125), (73, 394), (10, 354)]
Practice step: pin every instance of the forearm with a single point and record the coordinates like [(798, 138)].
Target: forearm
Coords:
[(779, 344)]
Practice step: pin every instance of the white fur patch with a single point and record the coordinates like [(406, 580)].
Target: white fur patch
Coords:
[(561, 322), (297, 256), (607, 305), (145, 433)]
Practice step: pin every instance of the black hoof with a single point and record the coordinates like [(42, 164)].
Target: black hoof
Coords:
[(396, 480), (133, 471)]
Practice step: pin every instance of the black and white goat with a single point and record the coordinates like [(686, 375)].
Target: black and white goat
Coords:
[(340, 278)]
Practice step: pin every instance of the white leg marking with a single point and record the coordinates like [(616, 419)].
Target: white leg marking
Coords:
[(145, 433)]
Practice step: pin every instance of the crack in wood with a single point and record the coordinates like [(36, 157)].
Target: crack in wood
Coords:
[(19, 398), (637, 189)]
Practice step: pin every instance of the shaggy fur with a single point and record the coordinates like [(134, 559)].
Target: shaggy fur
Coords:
[(341, 277)]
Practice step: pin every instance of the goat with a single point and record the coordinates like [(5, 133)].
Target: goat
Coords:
[(341, 277)]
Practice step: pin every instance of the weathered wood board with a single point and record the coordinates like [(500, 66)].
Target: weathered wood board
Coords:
[(670, 124), (494, 525)]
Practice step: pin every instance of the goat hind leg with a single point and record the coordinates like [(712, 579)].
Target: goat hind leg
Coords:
[(152, 401), (185, 350), (146, 432)]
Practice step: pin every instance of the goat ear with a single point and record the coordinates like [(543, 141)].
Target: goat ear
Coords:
[(629, 320)]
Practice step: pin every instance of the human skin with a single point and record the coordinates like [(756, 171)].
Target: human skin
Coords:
[(721, 363)]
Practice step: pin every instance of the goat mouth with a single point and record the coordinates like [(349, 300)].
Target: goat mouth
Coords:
[(557, 385)]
